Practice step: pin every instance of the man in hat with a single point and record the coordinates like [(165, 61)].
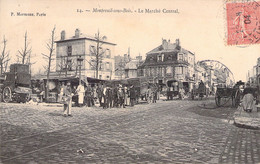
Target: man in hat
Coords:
[(132, 95), (121, 95), (68, 95)]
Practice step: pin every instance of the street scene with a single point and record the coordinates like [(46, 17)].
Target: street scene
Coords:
[(141, 83), (165, 132)]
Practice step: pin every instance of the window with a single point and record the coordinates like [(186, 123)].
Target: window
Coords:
[(69, 65), (168, 70), (107, 66), (160, 71), (108, 53), (100, 76), (179, 70), (69, 50), (160, 57), (180, 56), (92, 50), (147, 73), (185, 57), (101, 66)]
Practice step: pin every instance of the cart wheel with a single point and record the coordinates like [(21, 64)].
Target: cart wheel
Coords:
[(7, 94)]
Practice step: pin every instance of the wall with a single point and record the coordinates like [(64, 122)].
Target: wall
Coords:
[(78, 50), (108, 69)]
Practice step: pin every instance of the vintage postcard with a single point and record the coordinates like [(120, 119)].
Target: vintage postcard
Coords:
[(133, 81)]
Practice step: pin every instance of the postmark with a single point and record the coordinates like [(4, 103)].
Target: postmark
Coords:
[(243, 22)]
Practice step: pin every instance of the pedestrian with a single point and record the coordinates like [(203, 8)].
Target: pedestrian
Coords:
[(181, 94), (80, 91), (149, 95), (132, 95), (109, 97), (126, 96), (154, 96), (201, 89), (115, 97), (67, 96), (92, 95), (248, 101), (61, 91), (99, 94), (88, 96), (75, 96), (121, 95), (104, 97)]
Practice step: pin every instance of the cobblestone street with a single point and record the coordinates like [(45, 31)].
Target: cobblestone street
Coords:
[(165, 132)]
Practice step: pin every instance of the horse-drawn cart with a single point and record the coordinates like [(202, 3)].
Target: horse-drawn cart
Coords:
[(224, 95), (16, 86)]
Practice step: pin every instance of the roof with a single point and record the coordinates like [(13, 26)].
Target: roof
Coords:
[(83, 37), (170, 47), (132, 64)]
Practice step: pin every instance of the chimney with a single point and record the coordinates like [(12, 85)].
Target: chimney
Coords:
[(62, 35), (178, 47), (164, 44), (77, 33), (177, 42)]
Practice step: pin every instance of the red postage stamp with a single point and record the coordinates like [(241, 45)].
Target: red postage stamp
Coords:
[(243, 22)]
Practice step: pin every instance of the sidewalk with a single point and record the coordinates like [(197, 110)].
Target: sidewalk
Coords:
[(250, 120)]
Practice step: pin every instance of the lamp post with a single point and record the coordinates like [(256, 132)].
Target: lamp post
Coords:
[(79, 62)]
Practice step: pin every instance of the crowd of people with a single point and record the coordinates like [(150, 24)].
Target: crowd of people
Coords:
[(101, 94)]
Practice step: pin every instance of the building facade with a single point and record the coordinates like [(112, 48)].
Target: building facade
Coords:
[(131, 67), (169, 63), (253, 74), (71, 50), (120, 63)]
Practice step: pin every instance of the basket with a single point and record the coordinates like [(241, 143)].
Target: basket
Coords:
[(65, 99)]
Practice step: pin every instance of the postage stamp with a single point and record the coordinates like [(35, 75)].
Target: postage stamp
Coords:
[(243, 22)]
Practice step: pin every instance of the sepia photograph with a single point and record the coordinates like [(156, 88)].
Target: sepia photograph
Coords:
[(133, 81)]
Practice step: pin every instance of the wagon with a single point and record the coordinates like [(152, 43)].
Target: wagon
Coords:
[(17, 83), (224, 95)]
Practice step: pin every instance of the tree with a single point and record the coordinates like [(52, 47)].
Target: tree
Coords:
[(65, 64), (49, 58), (97, 53), (4, 58), (25, 52)]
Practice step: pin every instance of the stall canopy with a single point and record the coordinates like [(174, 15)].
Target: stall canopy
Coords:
[(72, 79)]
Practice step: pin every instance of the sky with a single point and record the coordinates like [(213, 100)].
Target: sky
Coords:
[(199, 24)]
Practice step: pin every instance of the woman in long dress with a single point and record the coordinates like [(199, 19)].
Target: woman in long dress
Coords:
[(80, 91), (248, 101)]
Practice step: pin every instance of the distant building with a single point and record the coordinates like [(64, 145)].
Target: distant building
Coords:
[(254, 73), (131, 67), (69, 50), (168, 63), (120, 63)]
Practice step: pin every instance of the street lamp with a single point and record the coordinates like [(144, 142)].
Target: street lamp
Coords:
[(79, 62)]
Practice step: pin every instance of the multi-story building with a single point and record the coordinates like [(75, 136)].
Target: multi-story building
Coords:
[(169, 63), (80, 46), (254, 73)]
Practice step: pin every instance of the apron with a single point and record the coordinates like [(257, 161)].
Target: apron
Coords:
[(81, 97), (248, 102)]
